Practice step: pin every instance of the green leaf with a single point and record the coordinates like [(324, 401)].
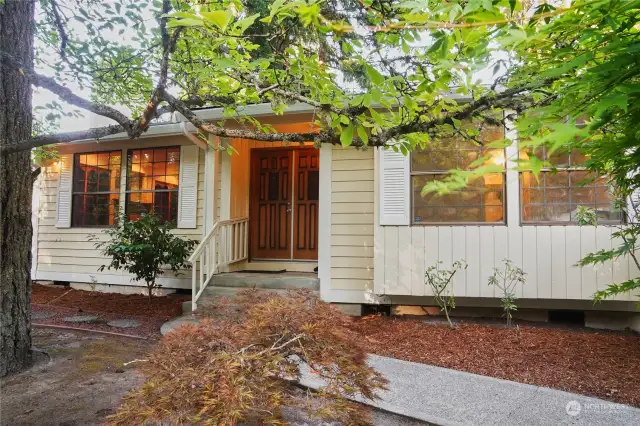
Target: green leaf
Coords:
[(220, 18), (185, 23), (373, 74), (346, 137), (362, 134)]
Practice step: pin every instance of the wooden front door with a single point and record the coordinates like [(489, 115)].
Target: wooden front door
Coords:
[(284, 204)]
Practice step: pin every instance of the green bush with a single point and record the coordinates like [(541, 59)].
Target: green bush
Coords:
[(145, 248)]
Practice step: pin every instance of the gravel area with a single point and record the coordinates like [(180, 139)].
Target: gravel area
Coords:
[(601, 364)]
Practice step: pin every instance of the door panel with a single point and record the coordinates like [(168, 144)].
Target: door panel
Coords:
[(271, 204), (284, 204), (305, 228)]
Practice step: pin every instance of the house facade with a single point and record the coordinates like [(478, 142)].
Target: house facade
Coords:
[(357, 217)]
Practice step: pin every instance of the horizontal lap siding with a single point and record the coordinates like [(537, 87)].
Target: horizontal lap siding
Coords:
[(352, 222), (69, 254), (546, 253)]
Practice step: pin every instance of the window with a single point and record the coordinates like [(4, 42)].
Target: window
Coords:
[(152, 182), (557, 192), (96, 188), (480, 202)]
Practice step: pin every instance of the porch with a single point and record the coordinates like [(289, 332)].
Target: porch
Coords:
[(260, 216)]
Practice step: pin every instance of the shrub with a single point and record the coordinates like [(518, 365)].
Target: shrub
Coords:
[(145, 248), (241, 367), (438, 280), (506, 281)]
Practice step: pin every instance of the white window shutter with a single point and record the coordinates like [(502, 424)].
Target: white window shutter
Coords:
[(65, 185), (188, 190), (633, 206), (394, 188)]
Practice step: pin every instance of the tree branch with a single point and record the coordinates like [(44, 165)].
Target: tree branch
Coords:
[(50, 139), (64, 39)]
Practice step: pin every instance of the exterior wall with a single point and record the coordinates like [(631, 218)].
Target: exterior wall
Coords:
[(546, 253), (347, 201), (67, 254)]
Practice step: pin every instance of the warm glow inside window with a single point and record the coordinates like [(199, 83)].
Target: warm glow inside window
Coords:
[(96, 188), (152, 182), (556, 193), (481, 201)]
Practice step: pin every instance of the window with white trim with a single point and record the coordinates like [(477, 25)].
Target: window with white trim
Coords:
[(96, 188), (482, 201), (153, 182), (554, 195)]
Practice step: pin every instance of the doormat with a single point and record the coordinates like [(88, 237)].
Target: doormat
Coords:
[(255, 271)]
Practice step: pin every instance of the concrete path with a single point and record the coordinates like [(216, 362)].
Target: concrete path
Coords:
[(448, 397)]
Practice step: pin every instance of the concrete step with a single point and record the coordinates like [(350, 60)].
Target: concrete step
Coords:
[(280, 281)]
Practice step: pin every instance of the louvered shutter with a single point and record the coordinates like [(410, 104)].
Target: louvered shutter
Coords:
[(188, 190), (63, 199), (394, 188), (633, 206)]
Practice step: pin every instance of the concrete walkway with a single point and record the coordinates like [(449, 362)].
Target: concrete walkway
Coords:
[(448, 397)]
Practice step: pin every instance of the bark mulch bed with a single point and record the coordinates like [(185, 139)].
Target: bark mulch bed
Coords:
[(149, 327), (162, 307), (601, 364)]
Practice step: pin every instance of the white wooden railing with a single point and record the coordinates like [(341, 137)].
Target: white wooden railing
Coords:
[(224, 244)]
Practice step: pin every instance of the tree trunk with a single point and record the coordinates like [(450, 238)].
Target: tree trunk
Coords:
[(16, 41)]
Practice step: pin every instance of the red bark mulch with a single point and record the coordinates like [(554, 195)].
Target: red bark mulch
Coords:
[(601, 364), (125, 305)]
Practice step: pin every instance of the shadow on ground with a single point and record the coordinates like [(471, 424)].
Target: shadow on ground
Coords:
[(81, 383)]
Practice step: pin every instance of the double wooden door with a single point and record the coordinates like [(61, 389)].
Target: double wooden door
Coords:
[(284, 204)]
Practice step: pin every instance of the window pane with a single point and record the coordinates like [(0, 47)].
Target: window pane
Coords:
[(557, 196), (156, 175), (95, 209), (457, 152), (483, 201)]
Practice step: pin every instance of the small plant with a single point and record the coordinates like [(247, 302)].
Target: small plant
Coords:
[(506, 280), (145, 248), (241, 366), (438, 280), (45, 156)]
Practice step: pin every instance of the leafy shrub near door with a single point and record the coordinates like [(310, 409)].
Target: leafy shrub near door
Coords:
[(240, 366), (145, 248)]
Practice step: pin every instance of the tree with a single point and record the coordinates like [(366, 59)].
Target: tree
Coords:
[(16, 39), (145, 248)]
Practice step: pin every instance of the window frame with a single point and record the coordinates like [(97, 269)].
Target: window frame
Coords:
[(127, 191), (563, 168), (73, 192), (413, 173)]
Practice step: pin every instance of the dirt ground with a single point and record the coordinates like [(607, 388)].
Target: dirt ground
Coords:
[(83, 380), (602, 364), (80, 384)]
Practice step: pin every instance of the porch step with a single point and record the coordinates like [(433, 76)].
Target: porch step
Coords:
[(228, 285), (267, 281)]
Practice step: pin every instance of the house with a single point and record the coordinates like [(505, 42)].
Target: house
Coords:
[(355, 216)]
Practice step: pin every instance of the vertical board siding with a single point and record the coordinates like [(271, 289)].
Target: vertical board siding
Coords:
[(352, 226), (547, 255), (69, 254)]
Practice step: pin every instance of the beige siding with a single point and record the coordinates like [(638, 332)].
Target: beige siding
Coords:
[(352, 222), (69, 254)]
